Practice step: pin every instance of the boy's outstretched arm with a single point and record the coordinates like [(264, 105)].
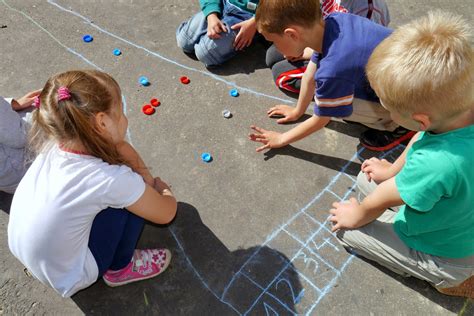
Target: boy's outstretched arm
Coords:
[(290, 113), (352, 215), (272, 139)]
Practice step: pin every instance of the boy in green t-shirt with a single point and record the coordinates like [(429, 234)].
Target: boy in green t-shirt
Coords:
[(423, 74)]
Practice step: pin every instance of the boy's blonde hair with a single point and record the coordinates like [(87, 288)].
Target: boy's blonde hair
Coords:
[(274, 16), (425, 66), (74, 119)]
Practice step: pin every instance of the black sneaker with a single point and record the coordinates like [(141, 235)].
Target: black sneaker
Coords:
[(382, 140)]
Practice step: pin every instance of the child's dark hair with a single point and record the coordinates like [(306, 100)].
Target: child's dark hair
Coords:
[(73, 119), (274, 16)]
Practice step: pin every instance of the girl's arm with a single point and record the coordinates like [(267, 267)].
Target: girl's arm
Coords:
[(157, 204), (155, 207), (135, 162)]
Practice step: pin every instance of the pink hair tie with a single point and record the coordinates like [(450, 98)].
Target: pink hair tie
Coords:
[(36, 102), (63, 94)]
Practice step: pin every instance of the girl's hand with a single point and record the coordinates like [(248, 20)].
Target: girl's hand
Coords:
[(25, 101), (268, 138), (289, 113), (377, 170), (345, 215), (214, 26), (245, 36), (161, 187)]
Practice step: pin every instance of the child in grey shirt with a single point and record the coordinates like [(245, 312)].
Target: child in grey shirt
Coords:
[(13, 140)]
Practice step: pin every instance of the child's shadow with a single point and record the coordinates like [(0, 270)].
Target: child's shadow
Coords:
[(204, 277)]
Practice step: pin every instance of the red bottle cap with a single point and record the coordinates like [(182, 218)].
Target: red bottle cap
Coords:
[(148, 109), (185, 80), (155, 102)]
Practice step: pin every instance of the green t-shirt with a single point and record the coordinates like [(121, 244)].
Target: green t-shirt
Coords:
[(437, 185), (210, 6)]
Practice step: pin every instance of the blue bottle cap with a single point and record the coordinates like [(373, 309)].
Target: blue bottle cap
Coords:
[(87, 38), (144, 81), (117, 52), (226, 114), (234, 93), (206, 157)]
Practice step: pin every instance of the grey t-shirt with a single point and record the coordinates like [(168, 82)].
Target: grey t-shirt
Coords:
[(13, 139)]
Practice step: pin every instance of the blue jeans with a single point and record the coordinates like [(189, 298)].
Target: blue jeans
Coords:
[(113, 238), (192, 36)]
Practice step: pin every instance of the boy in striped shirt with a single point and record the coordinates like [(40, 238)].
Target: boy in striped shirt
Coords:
[(336, 73)]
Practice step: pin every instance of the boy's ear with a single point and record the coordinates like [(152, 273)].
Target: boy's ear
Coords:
[(292, 33), (423, 119)]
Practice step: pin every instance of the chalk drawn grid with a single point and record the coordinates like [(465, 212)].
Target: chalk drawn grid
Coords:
[(315, 257)]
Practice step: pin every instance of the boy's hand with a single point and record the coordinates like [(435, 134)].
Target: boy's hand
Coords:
[(270, 139), (214, 26), (289, 113), (345, 215), (25, 101), (377, 170), (245, 36)]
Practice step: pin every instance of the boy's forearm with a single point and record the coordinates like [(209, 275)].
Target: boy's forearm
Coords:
[(304, 129), (307, 89), (386, 195), (134, 160), (400, 162)]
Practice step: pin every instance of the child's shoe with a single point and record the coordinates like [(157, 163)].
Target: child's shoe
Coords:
[(465, 289), (382, 140), (145, 264)]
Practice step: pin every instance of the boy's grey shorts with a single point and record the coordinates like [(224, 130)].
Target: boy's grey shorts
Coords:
[(379, 242)]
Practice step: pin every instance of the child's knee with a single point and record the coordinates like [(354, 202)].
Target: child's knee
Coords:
[(364, 185), (215, 52), (185, 42), (273, 56), (346, 238), (190, 32)]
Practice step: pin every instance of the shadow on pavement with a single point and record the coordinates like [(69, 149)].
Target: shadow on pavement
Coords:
[(246, 62), (319, 159), (5, 201), (203, 276), (453, 304)]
